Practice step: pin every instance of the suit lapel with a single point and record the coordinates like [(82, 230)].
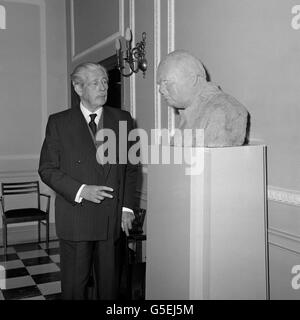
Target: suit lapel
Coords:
[(81, 131), (86, 143), (83, 135), (109, 122)]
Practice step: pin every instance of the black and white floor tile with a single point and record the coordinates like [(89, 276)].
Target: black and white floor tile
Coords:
[(30, 272)]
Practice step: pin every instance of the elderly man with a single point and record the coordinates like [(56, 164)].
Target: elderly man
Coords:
[(201, 104), (93, 201)]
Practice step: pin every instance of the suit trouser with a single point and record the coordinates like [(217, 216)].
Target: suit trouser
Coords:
[(76, 261)]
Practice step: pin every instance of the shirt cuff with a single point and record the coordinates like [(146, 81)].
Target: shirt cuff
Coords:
[(124, 209), (127, 210), (78, 199)]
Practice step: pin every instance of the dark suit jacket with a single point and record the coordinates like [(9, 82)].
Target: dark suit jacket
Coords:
[(68, 160)]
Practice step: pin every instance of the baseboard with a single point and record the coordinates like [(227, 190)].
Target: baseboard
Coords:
[(284, 240), (27, 234)]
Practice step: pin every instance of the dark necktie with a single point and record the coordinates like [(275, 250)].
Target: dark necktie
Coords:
[(92, 123)]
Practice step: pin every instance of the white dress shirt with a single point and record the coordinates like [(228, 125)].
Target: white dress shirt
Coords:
[(86, 113)]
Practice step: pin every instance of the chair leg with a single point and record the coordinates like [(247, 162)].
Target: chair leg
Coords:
[(39, 231), (128, 272), (5, 238), (47, 232)]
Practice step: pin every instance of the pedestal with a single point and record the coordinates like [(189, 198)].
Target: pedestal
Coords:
[(207, 231)]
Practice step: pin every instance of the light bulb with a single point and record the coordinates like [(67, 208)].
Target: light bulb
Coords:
[(128, 34), (117, 44)]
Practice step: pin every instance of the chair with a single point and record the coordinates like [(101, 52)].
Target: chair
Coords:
[(24, 214), (132, 259), (133, 263)]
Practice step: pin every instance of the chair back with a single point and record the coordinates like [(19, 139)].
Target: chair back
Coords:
[(21, 188), (138, 222)]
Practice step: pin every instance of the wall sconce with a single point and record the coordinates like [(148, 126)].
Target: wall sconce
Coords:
[(133, 59)]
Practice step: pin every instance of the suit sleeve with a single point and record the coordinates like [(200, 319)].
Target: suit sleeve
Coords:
[(131, 172), (50, 169)]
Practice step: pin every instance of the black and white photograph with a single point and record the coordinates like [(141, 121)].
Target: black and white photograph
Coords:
[(149, 152)]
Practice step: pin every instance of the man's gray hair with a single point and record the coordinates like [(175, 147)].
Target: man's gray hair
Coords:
[(78, 76)]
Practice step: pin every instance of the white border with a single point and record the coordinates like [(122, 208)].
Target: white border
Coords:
[(157, 56), (100, 44), (171, 47)]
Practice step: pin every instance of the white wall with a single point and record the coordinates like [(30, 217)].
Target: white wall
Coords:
[(250, 49), (33, 84)]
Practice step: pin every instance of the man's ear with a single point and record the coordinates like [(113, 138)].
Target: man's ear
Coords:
[(195, 79), (78, 88), (198, 80)]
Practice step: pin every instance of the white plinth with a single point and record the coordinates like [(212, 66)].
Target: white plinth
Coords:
[(207, 233)]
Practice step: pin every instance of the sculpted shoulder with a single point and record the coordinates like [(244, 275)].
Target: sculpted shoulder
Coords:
[(236, 105), (226, 103)]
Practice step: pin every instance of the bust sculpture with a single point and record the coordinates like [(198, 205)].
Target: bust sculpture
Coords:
[(201, 104)]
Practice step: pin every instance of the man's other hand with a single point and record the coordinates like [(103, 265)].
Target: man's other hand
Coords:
[(96, 193), (127, 218)]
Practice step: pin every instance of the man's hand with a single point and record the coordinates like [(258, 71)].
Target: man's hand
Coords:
[(127, 218), (96, 193)]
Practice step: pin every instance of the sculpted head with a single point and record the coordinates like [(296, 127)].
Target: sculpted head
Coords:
[(180, 76)]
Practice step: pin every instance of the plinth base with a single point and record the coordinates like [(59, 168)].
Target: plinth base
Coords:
[(207, 232)]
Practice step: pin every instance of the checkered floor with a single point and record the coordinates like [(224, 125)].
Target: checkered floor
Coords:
[(30, 272)]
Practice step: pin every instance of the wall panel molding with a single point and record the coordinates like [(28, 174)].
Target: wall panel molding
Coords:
[(284, 196), (28, 234), (132, 78), (24, 162), (43, 62), (171, 47), (18, 163), (157, 57), (275, 194), (34, 2), (284, 240), (43, 68), (19, 174), (100, 44)]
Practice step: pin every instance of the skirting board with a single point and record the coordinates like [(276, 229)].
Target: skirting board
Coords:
[(27, 234), (284, 240)]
